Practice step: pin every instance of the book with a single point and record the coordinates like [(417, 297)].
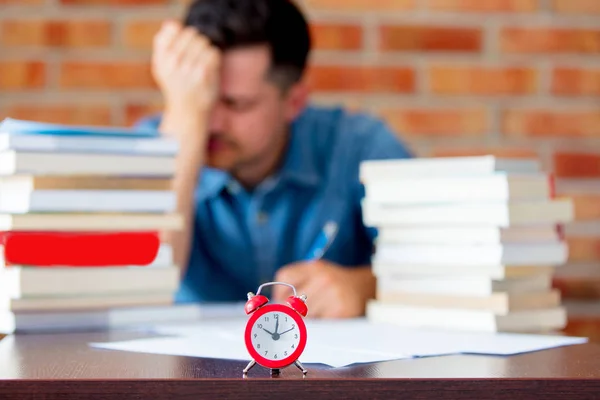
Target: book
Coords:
[(374, 170), (85, 302), (31, 183), (427, 190), (66, 201), (470, 255), (525, 321), (35, 142), (39, 163), (466, 235), (498, 303), (465, 286), (114, 318), (25, 282), (90, 222), (392, 270), (19, 126), (501, 214), (44, 249)]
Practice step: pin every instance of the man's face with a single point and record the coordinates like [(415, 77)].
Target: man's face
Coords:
[(248, 122)]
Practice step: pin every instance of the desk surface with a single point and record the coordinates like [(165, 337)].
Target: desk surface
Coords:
[(58, 364)]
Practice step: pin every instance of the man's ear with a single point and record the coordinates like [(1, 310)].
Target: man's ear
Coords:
[(296, 100)]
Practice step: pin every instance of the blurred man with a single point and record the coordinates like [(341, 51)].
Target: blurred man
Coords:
[(261, 172)]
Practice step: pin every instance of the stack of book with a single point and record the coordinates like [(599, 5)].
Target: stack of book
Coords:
[(465, 243), (81, 215)]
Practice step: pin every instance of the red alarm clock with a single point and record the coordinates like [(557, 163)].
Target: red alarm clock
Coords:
[(275, 333)]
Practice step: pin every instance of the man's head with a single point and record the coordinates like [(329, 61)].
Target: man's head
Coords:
[(265, 46)]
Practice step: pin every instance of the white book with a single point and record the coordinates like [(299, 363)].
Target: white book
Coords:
[(374, 170), (86, 302), (508, 254), (24, 142), (458, 234), (499, 214), (393, 271), (465, 286), (13, 162), (126, 201), (537, 320), (427, 190), (18, 283), (114, 318), (499, 303)]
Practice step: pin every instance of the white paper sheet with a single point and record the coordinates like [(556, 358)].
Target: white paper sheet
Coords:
[(338, 343)]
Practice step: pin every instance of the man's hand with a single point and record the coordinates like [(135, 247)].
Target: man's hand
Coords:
[(185, 67), (332, 291)]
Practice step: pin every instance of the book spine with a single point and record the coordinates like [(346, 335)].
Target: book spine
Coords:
[(89, 249)]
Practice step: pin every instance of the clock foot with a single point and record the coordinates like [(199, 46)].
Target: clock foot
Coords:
[(274, 372), (249, 367), (299, 365)]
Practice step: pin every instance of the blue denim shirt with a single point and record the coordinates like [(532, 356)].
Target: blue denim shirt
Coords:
[(241, 238)]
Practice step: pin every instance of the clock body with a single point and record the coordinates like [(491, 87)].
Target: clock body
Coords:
[(275, 335)]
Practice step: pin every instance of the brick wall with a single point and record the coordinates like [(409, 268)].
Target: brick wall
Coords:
[(510, 77)]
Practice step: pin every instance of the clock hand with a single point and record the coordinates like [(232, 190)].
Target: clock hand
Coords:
[(276, 325), (286, 331), (270, 333)]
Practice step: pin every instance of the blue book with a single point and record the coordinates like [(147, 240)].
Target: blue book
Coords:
[(15, 126), (27, 136)]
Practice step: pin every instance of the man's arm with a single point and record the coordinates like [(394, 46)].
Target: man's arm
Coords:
[(185, 67), (337, 291), (187, 168)]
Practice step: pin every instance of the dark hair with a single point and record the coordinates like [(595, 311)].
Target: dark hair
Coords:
[(280, 24)]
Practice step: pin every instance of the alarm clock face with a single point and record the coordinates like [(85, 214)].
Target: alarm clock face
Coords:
[(275, 335)]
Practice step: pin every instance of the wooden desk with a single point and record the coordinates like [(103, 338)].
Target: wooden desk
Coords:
[(63, 366)]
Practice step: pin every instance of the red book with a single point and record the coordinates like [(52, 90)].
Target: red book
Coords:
[(89, 249)]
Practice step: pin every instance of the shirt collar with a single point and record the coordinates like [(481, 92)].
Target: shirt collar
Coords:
[(299, 167)]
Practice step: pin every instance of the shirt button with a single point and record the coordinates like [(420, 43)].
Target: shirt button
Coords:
[(233, 187), (262, 217)]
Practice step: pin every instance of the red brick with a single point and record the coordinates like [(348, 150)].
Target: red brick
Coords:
[(576, 165), (442, 122), (458, 80), (22, 2), (362, 79), (114, 2), (22, 75), (134, 112), (337, 36), (576, 81), (61, 114), (584, 249), (56, 33), (551, 123), (587, 206), (105, 76), (550, 40), (430, 38), (139, 34), (578, 288), (484, 5), (361, 5), (576, 6), (516, 152)]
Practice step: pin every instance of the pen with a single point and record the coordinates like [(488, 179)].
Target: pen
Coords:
[(323, 241)]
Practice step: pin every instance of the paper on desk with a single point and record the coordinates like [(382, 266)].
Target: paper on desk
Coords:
[(338, 343)]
